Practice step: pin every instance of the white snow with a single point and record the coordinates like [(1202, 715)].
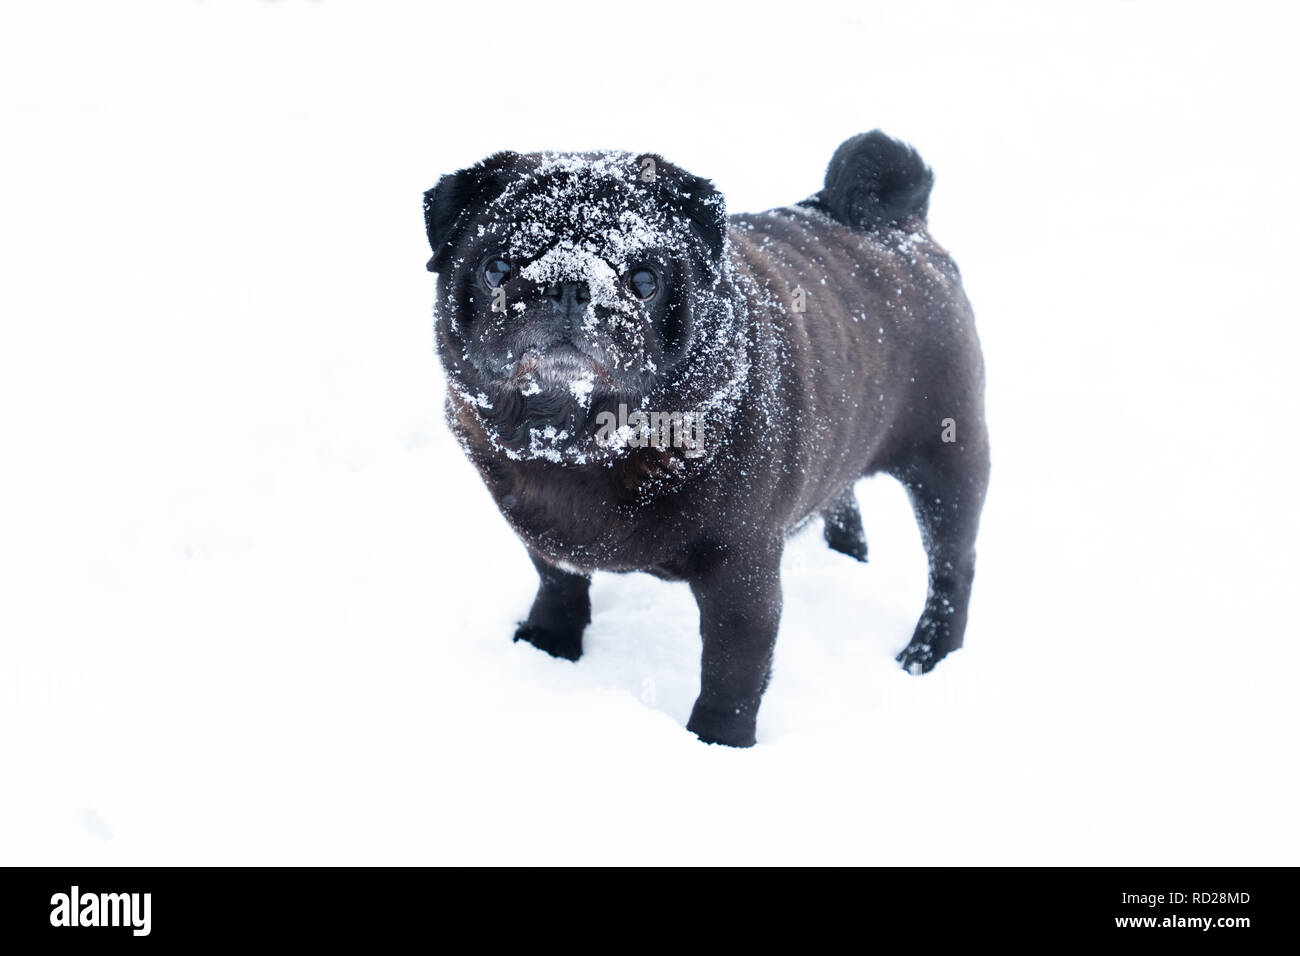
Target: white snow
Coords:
[(256, 606), (581, 388)]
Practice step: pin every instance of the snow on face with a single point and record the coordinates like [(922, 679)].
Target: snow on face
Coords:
[(587, 218)]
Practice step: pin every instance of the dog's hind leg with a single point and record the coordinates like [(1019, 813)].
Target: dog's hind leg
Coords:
[(560, 613), (947, 487), (843, 529)]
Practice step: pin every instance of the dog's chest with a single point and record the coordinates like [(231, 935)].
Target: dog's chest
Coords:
[(588, 519)]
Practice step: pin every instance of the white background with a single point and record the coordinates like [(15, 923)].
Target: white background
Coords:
[(255, 606)]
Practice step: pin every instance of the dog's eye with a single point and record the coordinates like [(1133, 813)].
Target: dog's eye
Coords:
[(496, 271), (643, 283)]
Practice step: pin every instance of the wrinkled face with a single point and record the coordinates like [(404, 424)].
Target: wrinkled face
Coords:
[(568, 283)]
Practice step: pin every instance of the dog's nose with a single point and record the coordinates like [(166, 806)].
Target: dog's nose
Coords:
[(570, 298)]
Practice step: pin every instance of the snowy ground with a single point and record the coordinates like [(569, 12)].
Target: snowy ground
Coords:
[(256, 607)]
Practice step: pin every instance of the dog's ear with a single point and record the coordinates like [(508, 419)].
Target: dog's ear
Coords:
[(708, 213), (457, 192), (698, 200)]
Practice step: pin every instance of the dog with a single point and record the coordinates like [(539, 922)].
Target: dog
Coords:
[(645, 383)]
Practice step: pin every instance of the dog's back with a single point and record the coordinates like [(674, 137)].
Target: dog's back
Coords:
[(866, 319)]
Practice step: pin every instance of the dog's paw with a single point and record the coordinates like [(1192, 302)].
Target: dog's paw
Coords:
[(917, 658), (563, 643), (929, 645), (732, 728)]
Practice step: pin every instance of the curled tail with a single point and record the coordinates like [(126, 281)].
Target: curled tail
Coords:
[(874, 181)]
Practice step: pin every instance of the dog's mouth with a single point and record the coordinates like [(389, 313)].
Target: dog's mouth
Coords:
[(563, 366)]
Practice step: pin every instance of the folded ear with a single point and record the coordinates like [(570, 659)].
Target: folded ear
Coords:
[(698, 199), (456, 192), (707, 211)]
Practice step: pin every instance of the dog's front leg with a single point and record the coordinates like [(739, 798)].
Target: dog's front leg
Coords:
[(560, 613), (739, 595)]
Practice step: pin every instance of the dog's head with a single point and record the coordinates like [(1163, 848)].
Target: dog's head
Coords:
[(571, 283)]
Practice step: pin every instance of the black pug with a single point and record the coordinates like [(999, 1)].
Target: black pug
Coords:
[(647, 384)]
